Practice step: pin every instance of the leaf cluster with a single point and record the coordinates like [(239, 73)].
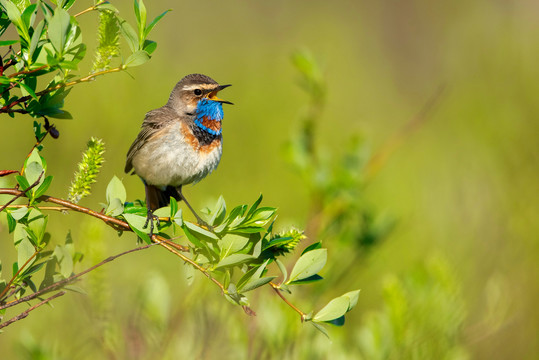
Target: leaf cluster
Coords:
[(28, 225), (50, 43), (240, 249)]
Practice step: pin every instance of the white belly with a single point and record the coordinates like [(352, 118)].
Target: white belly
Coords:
[(168, 159)]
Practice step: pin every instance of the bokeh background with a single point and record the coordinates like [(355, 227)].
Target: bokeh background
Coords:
[(445, 247)]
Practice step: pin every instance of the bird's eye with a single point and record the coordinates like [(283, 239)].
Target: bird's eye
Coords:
[(198, 92)]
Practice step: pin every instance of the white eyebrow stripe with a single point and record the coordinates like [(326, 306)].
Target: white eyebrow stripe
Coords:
[(200, 86)]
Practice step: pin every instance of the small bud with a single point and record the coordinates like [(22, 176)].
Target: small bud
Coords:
[(54, 132)]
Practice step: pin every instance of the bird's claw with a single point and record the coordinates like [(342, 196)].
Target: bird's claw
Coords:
[(150, 218)]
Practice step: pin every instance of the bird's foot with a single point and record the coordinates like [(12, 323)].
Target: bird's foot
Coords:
[(150, 218), (203, 224)]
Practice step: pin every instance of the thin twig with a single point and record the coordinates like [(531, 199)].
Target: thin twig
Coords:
[(21, 193), (120, 225), (71, 278), (91, 8), (52, 208), (278, 291), (6, 289), (26, 312), (38, 142), (28, 71), (7, 108)]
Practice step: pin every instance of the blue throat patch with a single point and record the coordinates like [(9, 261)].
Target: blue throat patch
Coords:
[(211, 110)]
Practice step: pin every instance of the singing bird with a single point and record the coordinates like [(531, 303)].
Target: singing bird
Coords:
[(180, 143)]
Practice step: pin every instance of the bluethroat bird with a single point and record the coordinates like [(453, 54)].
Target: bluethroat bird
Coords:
[(180, 143)]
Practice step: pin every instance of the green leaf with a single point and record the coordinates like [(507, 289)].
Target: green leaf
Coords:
[(37, 224), (23, 183), (277, 242), (35, 40), (283, 270), (309, 264), (137, 58), (15, 16), (8, 42), (178, 218), (28, 15), (61, 114), (173, 207), (353, 296), (234, 259), (116, 189), (114, 208), (43, 187), (140, 13), (261, 216), (11, 223), (321, 329), (65, 261), (28, 90), (162, 212), (68, 4), (192, 237), (333, 310), (149, 46), (253, 284), (317, 245), (256, 280), (33, 171), (136, 223), (232, 243), (189, 274), (58, 30), (337, 322), (154, 22), (308, 280), (33, 269), (19, 213), (255, 205), (25, 250), (201, 231), (107, 6), (219, 212), (129, 34), (247, 229)]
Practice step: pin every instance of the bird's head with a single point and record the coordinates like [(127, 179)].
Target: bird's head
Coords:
[(195, 90)]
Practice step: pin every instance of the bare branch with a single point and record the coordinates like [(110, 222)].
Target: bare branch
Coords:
[(26, 312), (56, 285)]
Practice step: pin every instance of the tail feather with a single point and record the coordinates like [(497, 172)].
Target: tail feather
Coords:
[(157, 198)]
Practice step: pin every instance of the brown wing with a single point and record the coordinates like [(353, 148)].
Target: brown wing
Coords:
[(153, 122)]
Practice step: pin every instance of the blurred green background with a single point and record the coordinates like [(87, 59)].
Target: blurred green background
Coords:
[(462, 190)]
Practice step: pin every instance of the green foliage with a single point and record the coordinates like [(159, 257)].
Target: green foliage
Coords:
[(49, 48), (88, 169), (31, 240), (239, 249), (336, 182), (54, 46), (239, 252), (422, 317)]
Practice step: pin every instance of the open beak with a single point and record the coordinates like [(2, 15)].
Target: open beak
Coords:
[(213, 95)]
